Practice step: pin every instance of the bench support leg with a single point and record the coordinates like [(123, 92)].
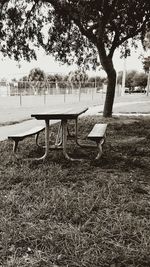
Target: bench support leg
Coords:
[(46, 142), (99, 152), (15, 145), (100, 149), (76, 138), (64, 141), (36, 139)]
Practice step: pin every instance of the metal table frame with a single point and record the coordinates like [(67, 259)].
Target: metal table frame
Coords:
[(61, 140)]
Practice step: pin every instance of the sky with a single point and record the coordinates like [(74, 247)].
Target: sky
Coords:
[(10, 69)]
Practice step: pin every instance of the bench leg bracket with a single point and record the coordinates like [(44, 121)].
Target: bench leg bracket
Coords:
[(100, 151), (15, 145), (100, 148)]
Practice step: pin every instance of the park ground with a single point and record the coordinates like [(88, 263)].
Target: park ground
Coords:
[(11, 112), (14, 118), (80, 214)]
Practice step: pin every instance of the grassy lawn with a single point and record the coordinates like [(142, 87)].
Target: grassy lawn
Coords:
[(71, 214)]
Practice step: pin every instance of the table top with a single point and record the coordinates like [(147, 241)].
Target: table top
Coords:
[(60, 114)]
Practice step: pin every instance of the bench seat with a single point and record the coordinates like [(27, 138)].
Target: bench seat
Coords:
[(27, 133), (98, 134)]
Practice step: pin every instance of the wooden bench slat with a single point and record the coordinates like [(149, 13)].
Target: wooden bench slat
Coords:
[(98, 130), (33, 130), (29, 132), (98, 135)]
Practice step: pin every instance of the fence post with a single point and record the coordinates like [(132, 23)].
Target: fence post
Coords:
[(79, 92), (93, 92), (64, 95), (45, 89), (20, 99), (148, 82)]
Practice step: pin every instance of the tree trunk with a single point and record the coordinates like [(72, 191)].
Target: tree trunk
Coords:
[(107, 64), (109, 100)]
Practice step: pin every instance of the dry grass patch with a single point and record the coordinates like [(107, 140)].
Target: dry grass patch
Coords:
[(69, 214)]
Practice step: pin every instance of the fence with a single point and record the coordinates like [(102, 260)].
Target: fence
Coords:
[(37, 93), (46, 87), (25, 94)]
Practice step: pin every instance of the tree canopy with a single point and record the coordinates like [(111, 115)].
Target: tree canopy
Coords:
[(36, 74), (133, 79), (140, 79), (146, 64), (81, 31)]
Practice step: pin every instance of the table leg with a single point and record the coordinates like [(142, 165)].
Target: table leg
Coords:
[(64, 141), (58, 141), (64, 138)]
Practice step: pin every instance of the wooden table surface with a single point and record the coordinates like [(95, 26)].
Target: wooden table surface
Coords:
[(60, 114)]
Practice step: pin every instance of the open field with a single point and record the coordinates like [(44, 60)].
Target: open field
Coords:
[(11, 110), (70, 214), (10, 113)]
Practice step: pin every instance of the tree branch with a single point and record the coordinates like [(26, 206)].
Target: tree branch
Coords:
[(131, 35), (32, 9), (66, 9), (114, 45), (108, 11)]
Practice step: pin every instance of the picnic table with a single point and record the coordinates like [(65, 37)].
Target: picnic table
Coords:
[(64, 115)]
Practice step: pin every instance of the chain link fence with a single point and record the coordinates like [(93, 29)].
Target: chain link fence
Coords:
[(38, 93), (34, 93)]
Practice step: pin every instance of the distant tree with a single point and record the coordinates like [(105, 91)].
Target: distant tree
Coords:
[(77, 77), (58, 77), (51, 78), (36, 74), (24, 78), (146, 64), (14, 80), (140, 79), (36, 78), (23, 84), (133, 78), (56, 80), (3, 80), (146, 41), (97, 80), (80, 31), (129, 82)]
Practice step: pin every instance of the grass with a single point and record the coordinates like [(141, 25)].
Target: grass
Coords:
[(70, 214)]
